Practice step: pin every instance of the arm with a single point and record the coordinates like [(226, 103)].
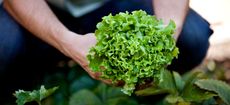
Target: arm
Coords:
[(37, 17), (172, 9)]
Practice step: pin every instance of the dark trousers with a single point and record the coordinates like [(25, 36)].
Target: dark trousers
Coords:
[(23, 57)]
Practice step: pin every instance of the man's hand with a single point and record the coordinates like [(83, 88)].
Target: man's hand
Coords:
[(77, 47), (219, 52)]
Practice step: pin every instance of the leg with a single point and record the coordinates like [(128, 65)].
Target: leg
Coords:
[(24, 59), (11, 39), (12, 42), (193, 43)]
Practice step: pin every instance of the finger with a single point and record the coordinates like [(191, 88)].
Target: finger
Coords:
[(106, 81), (96, 75)]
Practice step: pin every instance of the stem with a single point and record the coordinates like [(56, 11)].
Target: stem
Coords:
[(39, 102)]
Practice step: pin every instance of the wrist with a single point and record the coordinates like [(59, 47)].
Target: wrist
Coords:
[(76, 46), (177, 31), (65, 40)]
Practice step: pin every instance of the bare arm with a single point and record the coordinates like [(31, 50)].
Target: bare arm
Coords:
[(172, 9), (37, 17)]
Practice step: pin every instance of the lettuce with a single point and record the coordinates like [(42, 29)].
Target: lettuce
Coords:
[(132, 47)]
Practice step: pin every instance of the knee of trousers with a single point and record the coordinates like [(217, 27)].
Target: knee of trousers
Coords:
[(193, 46)]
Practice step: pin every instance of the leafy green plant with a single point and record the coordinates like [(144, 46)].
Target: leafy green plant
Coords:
[(191, 88), (219, 87), (77, 88), (101, 95), (132, 47), (35, 95)]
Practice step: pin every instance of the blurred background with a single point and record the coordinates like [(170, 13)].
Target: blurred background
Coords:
[(217, 13)]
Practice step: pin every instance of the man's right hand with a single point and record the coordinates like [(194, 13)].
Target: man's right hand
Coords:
[(219, 52), (77, 47)]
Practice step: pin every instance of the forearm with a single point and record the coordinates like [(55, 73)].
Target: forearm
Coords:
[(175, 10), (36, 16)]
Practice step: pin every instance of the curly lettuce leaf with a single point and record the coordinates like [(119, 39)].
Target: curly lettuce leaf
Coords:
[(131, 47)]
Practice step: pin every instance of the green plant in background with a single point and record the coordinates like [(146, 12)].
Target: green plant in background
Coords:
[(132, 47), (77, 88), (101, 95), (191, 88), (35, 95)]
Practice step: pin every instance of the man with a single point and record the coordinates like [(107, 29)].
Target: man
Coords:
[(68, 26)]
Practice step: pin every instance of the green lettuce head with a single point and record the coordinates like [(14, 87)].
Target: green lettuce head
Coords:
[(132, 47)]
